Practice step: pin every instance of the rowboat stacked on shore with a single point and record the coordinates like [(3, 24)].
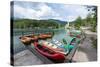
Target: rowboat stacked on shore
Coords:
[(58, 46), (27, 39), (49, 53), (79, 35), (54, 49), (75, 33)]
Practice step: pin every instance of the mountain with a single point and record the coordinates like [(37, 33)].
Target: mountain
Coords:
[(59, 21), (50, 20), (33, 23)]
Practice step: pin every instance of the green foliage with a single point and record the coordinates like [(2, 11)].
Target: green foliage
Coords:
[(78, 22), (93, 10), (89, 21), (29, 23)]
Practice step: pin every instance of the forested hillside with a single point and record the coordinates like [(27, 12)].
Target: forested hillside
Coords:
[(30, 23)]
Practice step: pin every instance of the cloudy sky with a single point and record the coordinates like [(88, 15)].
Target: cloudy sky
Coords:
[(36, 10)]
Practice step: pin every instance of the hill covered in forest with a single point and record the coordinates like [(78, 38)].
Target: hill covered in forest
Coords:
[(33, 23)]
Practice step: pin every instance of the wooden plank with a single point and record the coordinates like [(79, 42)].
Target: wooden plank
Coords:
[(41, 57)]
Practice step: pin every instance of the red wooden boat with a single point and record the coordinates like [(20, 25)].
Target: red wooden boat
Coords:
[(49, 53)]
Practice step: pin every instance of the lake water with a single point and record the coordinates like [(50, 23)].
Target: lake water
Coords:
[(18, 46)]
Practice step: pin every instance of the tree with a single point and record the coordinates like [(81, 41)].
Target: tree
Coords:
[(93, 12), (78, 22)]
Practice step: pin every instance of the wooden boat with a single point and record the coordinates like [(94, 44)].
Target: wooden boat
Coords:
[(25, 40), (56, 47), (49, 53), (65, 45), (75, 33), (34, 37), (44, 36)]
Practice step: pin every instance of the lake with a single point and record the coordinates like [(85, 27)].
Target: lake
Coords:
[(18, 46)]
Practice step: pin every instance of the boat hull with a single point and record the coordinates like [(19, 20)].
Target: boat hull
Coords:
[(44, 36), (55, 56), (25, 40)]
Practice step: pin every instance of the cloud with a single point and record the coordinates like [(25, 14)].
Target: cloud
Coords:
[(21, 12), (74, 11), (71, 18), (46, 11), (43, 11)]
